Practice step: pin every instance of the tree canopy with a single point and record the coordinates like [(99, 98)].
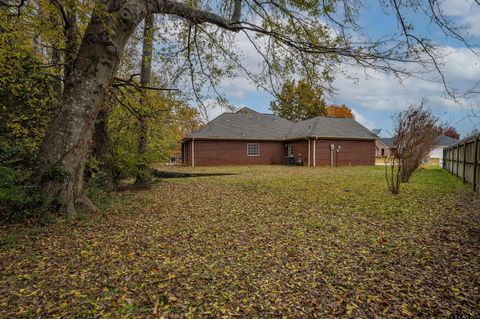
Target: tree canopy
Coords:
[(298, 101), (339, 111)]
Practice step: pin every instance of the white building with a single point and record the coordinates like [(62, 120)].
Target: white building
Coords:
[(436, 155)]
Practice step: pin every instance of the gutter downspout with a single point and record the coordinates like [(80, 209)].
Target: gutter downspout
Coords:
[(193, 152), (332, 150), (314, 143), (308, 151)]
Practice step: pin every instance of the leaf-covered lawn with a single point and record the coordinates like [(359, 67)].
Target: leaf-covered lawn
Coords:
[(268, 242)]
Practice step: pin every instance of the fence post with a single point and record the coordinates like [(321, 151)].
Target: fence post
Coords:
[(444, 157), (475, 164), (458, 159), (452, 152), (464, 160)]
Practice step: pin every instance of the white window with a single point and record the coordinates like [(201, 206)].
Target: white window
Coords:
[(253, 149)]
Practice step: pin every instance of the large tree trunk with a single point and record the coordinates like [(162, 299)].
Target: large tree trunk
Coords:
[(143, 176), (64, 150), (71, 43), (103, 151)]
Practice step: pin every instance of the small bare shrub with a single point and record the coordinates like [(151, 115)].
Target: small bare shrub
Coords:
[(416, 132), (392, 174)]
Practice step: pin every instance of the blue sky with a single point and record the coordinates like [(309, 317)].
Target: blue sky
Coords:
[(377, 97)]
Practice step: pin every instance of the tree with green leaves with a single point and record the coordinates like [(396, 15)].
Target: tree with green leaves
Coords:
[(27, 97), (167, 116), (299, 101)]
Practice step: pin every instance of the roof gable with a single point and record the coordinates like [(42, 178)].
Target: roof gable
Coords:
[(247, 110), (245, 124), (388, 141)]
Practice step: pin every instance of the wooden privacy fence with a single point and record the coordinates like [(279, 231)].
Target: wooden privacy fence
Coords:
[(462, 160)]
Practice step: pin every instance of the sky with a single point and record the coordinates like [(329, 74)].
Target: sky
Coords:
[(375, 97)]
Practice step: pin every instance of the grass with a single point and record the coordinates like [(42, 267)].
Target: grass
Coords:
[(266, 242)]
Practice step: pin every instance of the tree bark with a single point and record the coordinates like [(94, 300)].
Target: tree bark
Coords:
[(71, 43), (56, 62), (62, 155), (102, 149), (143, 175)]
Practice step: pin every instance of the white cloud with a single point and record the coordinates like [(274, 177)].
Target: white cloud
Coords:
[(363, 120), (250, 58), (210, 109), (214, 111), (457, 7), (380, 91), (461, 63), (238, 87), (468, 12)]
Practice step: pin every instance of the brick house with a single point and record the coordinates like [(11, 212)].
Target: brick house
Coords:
[(247, 137), (383, 146)]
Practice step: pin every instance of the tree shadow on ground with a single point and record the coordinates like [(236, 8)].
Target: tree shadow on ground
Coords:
[(159, 175), (165, 174)]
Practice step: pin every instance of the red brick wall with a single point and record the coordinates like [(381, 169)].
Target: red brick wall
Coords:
[(352, 152), (216, 153)]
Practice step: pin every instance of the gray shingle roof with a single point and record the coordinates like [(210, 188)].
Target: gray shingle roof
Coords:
[(249, 124), (245, 124), (388, 141), (443, 140), (334, 127)]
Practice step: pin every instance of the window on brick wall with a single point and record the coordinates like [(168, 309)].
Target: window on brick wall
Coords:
[(253, 149)]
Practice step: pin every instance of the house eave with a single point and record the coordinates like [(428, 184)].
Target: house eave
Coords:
[(186, 139), (286, 139)]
